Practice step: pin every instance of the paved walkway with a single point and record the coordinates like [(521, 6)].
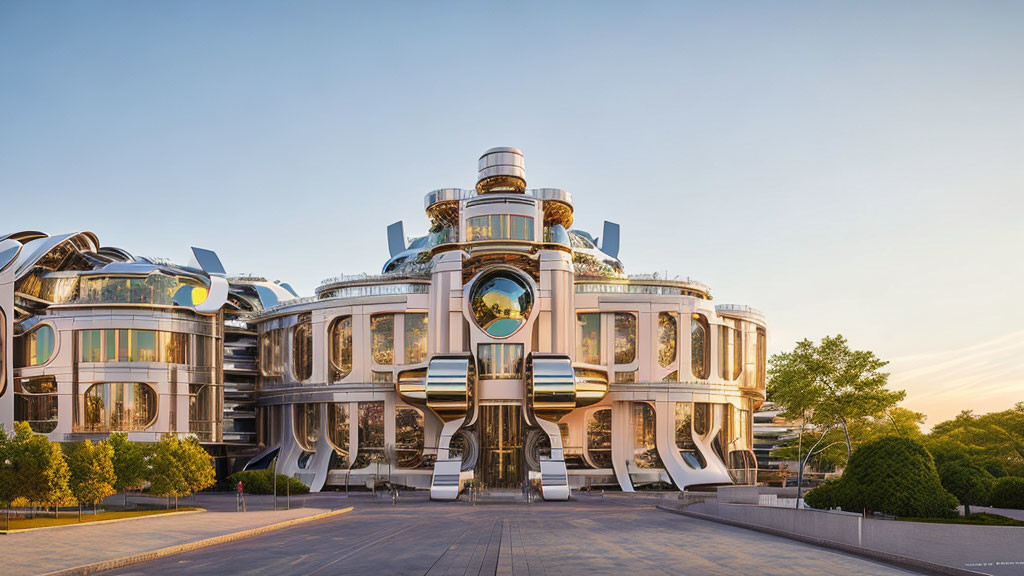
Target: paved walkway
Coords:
[(594, 536), (42, 551)]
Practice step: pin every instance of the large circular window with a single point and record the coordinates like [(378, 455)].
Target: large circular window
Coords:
[(501, 302)]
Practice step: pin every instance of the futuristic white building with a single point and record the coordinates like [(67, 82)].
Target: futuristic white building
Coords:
[(503, 348), (506, 348)]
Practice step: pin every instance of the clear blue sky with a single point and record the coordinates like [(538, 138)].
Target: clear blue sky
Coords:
[(846, 167)]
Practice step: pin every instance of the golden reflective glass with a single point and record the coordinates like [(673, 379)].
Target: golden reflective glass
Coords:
[(588, 338), (501, 302), (341, 347), (415, 338), (382, 339), (667, 337), (625, 338)]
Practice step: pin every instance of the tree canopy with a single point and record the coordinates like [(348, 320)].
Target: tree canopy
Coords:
[(91, 472), (830, 385)]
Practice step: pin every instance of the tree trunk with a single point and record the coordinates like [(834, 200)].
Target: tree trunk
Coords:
[(93, 508), (967, 510), (849, 445)]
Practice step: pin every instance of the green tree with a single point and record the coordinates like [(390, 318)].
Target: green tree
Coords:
[(91, 472), (196, 464), (1008, 493), (969, 483), (830, 385), (41, 470), (166, 477), (992, 441), (129, 461)]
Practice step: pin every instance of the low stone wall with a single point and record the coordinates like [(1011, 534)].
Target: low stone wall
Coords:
[(751, 494), (984, 549)]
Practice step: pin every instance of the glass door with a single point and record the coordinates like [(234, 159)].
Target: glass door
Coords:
[(501, 446)]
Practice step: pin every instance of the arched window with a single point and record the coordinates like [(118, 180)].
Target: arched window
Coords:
[(34, 348), (382, 339), (684, 436), (119, 407), (338, 431), (415, 338), (701, 419), (271, 360), (341, 348), (307, 425), (302, 349), (408, 436), (700, 351), (667, 337), (625, 338), (599, 438)]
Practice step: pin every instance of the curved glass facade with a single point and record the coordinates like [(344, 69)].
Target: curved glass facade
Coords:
[(133, 346), (118, 407), (155, 289), (341, 348), (501, 302), (499, 227)]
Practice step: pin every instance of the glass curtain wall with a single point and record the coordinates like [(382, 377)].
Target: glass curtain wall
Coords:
[(133, 346)]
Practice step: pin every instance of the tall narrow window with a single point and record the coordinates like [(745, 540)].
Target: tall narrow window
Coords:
[(730, 351), (408, 436), (599, 438), (338, 430), (307, 425), (302, 349), (762, 357), (382, 339), (645, 451), (371, 434), (737, 351), (700, 350), (415, 338), (3, 353), (341, 348), (667, 337), (684, 436), (271, 359), (588, 338), (625, 338)]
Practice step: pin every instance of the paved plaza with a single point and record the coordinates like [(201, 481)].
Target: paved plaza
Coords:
[(588, 536)]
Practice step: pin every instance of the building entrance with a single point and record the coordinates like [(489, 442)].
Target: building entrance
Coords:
[(501, 446)]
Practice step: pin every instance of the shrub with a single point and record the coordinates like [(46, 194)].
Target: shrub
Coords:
[(1008, 492), (969, 483), (894, 475), (262, 482), (824, 497)]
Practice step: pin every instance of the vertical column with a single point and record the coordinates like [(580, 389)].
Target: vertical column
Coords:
[(557, 284)]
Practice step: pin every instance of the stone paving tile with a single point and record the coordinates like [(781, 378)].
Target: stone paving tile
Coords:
[(591, 538)]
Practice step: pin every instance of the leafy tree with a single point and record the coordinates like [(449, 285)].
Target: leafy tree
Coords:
[(92, 472), (41, 470), (992, 441), (830, 385), (166, 477), (891, 475), (129, 461), (197, 467), (1008, 493), (969, 483)]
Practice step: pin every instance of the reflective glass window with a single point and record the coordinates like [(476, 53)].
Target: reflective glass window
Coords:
[(35, 402), (625, 377), (408, 436), (588, 338), (501, 302), (341, 347), (382, 339), (118, 407), (762, 357), (701, 418), (599, 438), (307, 425), (271, 357), (203, 415), (302, 349), (684, 436), (500, 361), (133, 346), (645, 452), (415, 338), (667, 338), (371, 434), (499, 227), (700, 347), (34, 348), (625, 338), (338, 430), (3, 353)]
